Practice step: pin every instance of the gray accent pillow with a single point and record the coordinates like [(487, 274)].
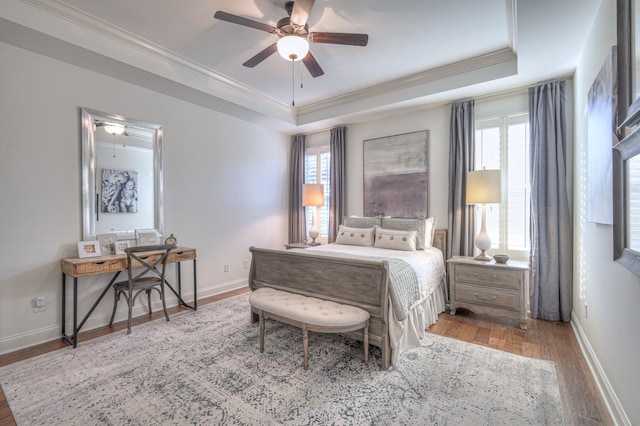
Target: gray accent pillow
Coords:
[(361, 222)]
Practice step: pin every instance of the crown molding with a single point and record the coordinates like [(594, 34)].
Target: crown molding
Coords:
[(498, 64), (102, 37)]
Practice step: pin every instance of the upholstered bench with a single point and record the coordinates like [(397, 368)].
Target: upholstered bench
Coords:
[(310, 314)]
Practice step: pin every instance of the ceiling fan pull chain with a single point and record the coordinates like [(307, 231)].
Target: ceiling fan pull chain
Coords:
[(293, 82), (301, 75), (114, 146)]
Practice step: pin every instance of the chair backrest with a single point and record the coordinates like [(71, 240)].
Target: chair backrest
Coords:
[(149, 262)]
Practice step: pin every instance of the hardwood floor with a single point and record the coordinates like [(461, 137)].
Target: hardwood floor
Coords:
[(552, 341)]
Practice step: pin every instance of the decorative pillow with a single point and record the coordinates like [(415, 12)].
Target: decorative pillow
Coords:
[(355, 236), (404, 224), (429, 232), (396, 240), (361, 222)]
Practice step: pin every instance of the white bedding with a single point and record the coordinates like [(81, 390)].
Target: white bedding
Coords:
[(430, 270)]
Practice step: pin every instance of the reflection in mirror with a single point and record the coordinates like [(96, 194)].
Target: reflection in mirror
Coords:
[(635, 60), (632, 171), (626, 153), (121, 175)]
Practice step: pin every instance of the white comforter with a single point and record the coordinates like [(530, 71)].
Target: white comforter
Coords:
[(428, 264), (430, 270)]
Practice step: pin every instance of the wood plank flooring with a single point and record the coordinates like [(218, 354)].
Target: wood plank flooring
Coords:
[(552, 341)]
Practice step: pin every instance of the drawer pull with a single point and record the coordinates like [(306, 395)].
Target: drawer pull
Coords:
[(486, 299), (484, 277), (100, 263)]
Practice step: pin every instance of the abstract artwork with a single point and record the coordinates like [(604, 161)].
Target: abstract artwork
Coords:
[(601, 136), (396, 175)]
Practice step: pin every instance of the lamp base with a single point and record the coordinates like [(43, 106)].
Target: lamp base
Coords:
[(483, 257)]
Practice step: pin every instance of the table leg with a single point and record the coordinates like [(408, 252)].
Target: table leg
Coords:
[(195, 288), (75, 312), (64, 302)]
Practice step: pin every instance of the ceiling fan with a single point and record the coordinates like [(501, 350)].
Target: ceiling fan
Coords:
[(111, 128), (294, 28)]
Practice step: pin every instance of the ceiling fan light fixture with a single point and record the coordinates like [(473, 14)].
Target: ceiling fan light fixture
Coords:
[(114, 129), (293, 47)]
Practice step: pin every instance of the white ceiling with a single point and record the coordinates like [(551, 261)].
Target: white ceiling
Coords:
[(419, 52)]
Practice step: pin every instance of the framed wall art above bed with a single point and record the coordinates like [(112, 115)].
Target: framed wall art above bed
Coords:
[(396, 175)]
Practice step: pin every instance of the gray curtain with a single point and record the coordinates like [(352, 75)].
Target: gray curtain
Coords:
[(337, 180), (297, 222), (461, 158), (551, 233)]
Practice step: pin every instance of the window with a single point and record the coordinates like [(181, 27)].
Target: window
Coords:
[(316, 170), (503, 143)]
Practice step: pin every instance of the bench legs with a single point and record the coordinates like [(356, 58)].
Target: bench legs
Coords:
[(261, 331), (305, 339), (305, 345)]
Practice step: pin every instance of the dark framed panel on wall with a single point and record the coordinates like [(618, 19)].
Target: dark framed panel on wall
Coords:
[(626, 153)]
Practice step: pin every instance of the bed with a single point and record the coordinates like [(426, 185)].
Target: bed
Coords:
[(391, 267)]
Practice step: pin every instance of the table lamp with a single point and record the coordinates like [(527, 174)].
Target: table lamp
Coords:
[(484, 187), (313, 196)]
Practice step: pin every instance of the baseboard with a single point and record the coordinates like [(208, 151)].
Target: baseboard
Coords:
[(50, 333), (604, 386)]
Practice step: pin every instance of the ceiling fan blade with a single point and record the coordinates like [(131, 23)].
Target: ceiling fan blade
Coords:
[(261, 56), (300, 12), (312, 65), (340, 38), (235, 19)]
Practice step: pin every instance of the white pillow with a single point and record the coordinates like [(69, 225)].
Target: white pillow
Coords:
[(355, 236), (429, 232), (396, 240)]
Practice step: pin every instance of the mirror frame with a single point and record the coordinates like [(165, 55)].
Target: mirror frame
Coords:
[(90, 199), (629, 147)]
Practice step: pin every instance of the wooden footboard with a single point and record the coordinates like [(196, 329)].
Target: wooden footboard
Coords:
[(357, 282)]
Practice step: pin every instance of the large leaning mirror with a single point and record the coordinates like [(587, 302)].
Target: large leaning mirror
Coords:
[(121, 175), (626, 153)]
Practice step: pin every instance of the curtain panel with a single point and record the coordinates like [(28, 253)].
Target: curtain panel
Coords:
[(337, 180), (461, 160), (297, 221), (551, 232)]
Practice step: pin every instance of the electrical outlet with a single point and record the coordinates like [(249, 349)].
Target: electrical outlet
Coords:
[(39, 304), (226, 267), (246, 263)]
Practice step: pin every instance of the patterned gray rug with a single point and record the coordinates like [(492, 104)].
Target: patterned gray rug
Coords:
[(204, 368)]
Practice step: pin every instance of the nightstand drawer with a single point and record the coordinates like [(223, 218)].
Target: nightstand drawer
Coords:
[(495, 277), (487, 297)]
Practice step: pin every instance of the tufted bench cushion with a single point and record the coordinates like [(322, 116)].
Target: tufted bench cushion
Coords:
[(308, 313)]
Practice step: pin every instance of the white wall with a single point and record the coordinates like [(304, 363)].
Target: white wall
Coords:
[(610, 331), (436, 121), (225, 187)]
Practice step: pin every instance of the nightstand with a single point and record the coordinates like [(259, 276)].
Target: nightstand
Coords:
[(489, 288), (296, 245)]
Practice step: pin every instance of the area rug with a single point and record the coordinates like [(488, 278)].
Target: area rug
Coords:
[(204, 368)]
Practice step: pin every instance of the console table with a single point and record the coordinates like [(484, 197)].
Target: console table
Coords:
[(77, 268)]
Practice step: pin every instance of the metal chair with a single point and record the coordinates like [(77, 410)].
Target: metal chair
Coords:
[(151, 278)]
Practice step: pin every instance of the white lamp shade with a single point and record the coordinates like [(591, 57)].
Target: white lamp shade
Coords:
[(293, 47), (313, 194), (484, 187)]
